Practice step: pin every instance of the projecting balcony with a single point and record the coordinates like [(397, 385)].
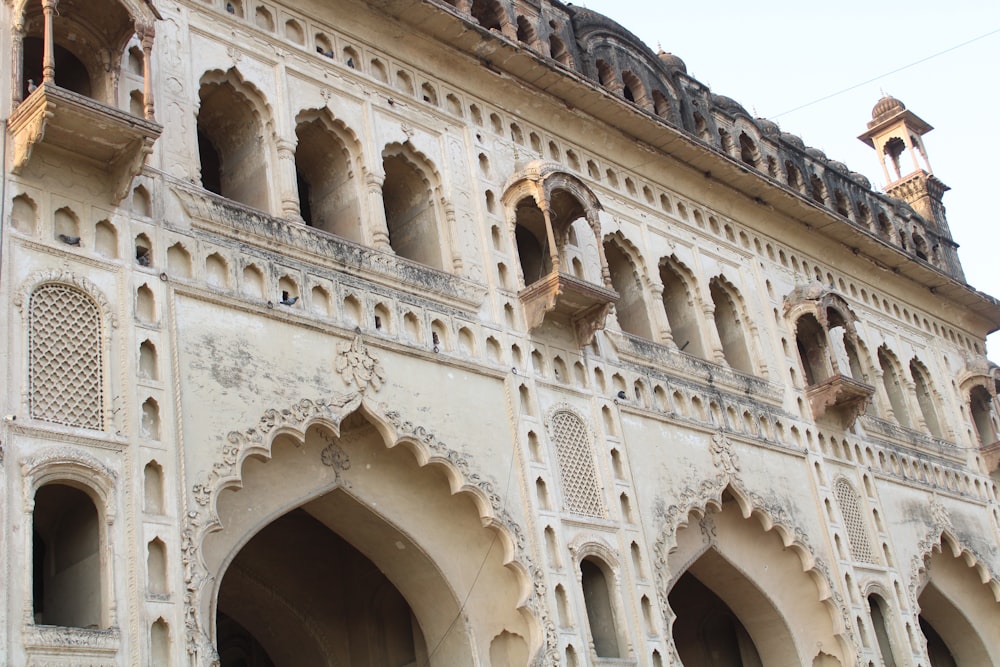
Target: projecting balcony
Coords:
[(840, 396), (559, 297), (57, 124)]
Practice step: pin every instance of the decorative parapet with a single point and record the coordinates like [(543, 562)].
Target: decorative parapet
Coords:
[(912, 439), (558, 295), (112, 142), (840, 396), (249, 225), (57, 645), (672, 361)]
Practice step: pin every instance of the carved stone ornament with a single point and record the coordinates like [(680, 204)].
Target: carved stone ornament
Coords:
[(226, 472), (358, 366), (723, 455)]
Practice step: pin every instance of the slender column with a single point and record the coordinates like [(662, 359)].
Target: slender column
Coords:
[(287, 182), (146, 33), (594, 220), (660, 322), (17, 49), (452, 234), (379, 228), (551, 236), (49, 57), (714, 341)]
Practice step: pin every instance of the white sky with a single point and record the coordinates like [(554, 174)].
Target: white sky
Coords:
[(776, 55)]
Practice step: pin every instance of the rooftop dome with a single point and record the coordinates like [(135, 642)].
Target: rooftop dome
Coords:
[(886, 107), (672, 61)]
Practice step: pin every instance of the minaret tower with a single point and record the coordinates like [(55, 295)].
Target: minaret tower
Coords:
[(897, 136)]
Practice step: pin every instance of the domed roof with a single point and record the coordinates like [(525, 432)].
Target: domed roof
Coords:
[(672, 61), (729, 105), (768, 127), (792, 139), (886, 107)]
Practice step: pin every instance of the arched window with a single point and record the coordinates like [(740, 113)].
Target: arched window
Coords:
[(598, 598), (894, 387), (489, 14), (811, 341), (925, 397), (65, 360), (66, 558), (526, 32), (729, 322), (980, 405), (328, 189), (559, 52), (231, 140), (633, 90), (883, 634), (817, 189), (631, 311), (748, 150), (681, 308), (605, 73), (410, 210)]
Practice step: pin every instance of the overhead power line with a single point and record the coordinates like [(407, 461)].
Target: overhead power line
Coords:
[(885, 74)]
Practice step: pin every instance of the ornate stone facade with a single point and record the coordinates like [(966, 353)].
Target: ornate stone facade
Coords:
[(470, 333)]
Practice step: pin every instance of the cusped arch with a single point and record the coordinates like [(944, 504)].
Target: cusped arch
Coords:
[(542, 180), (292, 425), (711, 498), (943, 540), (336, 126), (957, 594), (246, 89)]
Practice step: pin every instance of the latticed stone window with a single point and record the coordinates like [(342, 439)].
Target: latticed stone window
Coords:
[(65, 364), (580, 488), (850, 509)]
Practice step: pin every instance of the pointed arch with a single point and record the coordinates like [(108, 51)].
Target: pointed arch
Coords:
[(731, 323), (221, 526), (895, 386), (958, 598), (628, 276), (682, 306), (234, 125), (327, 160), (411, 195), (724, 537)]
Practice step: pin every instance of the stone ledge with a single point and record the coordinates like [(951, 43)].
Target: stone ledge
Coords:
[(76, 642), (107, 140), (669, 360), (228, 218)]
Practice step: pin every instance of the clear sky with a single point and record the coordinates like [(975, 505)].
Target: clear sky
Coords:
[(776, 55)]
